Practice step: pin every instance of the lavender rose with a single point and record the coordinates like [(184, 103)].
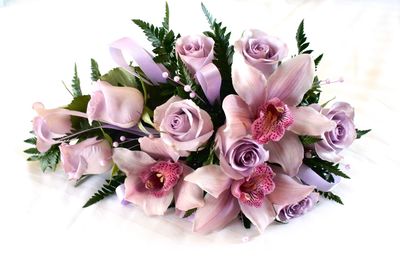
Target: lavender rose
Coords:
[(195, 51), (295, 210), (261, 51), (339, 138), (183, 125), (239, 156)]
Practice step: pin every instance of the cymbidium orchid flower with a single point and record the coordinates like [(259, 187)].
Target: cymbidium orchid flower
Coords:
[(269, 111), (255, 196), (153, 184)]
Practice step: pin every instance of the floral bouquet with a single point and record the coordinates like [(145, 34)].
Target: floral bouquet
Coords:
[(215, 131)]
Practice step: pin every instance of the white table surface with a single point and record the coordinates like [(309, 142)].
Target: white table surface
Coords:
[(40, 40)]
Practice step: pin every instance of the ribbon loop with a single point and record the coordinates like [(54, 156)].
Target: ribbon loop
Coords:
[(210, 80), (143, 59)]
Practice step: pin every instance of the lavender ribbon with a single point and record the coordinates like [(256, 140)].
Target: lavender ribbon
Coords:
[(209, 79), (307, 175), (143, 58)]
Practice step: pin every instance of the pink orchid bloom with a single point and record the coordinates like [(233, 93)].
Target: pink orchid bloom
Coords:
[(90, 156), (50, 124), (154, 184), (120, 106), (268, 109), (255, 196)]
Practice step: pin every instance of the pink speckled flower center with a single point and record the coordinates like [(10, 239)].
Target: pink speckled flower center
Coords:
[(161, 177), (273, 119), (253, 190)]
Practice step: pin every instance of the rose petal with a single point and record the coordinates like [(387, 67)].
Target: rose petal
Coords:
[(211, 179), (292, 80), (131, 162), (307, 121), (159, 112), (120, 106), (326, 152), (288, 191), (288, 152), (261, 216), (216, 213)]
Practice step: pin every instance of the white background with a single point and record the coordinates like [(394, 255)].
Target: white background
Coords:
[(41, 213)]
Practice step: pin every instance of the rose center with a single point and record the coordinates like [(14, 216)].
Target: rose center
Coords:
[(274, 117)]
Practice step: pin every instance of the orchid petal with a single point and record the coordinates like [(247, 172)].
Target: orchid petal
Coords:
[(211, 179), (238, 116), (187, 194), (288, 152), (248, 82), (157, 149), (307, 121), (292, 80), (136, 193), (288, 191), (131, 162), (216, 213), (261, 216)]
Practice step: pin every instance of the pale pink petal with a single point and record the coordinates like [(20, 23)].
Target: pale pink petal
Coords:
[(157, 149), (159, 112), (261, 216), (131, 162), (153, 205), (340, 107), (90, 156), (120, 106), (292, 80), (248, 82), (211, 179), (326, 152), (288, 191), (307, 121), (187, 194), (216, 213), (288, 152), (238, 116), (136, 193)]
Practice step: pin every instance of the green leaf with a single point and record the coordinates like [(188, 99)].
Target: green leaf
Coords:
[(223, 52), (312, 95), (246, 222), (331, 196), (76, 84), (318, 60), (154, 34), (165, 23), (79, 104), (361, 133), (95, 70), (189, 212), (309, 140), (323, 168), (31, 141), (106, 190), (301, 39), (184, 73), (120, 77), (32, 151), (208, 15)]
